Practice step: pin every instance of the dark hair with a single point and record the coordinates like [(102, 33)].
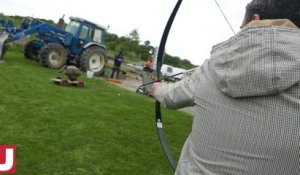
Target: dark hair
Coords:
[(274, 9)]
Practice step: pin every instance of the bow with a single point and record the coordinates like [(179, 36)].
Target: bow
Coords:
[(160, 56), (158, 115)]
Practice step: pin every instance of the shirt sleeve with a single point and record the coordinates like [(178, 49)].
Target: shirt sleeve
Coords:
[(179, 94)]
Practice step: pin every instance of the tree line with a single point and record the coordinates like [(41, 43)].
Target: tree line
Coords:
[(136, 51)]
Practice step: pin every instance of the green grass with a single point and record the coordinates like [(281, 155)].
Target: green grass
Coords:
[(102, 129)]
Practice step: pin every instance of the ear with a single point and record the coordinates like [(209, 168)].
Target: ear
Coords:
[(255, 17)]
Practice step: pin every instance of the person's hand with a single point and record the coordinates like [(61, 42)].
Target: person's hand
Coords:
[(154, 87)]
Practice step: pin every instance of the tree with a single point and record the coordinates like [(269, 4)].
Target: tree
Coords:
[(146, 51), (134, 35)]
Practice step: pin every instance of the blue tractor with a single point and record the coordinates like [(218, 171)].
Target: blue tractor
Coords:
[(80, 44)]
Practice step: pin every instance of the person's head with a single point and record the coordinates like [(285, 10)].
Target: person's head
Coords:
[(121, 53), (273, 9)]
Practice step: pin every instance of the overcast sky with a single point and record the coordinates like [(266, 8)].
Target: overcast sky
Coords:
[(198, 26)]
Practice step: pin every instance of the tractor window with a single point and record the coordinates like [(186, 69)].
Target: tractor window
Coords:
[(84, 32), (73, 27), (98, 36)]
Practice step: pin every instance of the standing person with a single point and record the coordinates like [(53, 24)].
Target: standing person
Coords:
[(117, 64), (247, 98)]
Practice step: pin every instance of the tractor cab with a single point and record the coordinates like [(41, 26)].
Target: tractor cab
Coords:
[(88, 42), (85, 34)]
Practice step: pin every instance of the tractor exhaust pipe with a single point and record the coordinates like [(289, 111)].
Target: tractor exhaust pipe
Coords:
[(3, 38)]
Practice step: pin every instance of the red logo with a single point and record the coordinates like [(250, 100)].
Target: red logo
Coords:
[(7, 159)]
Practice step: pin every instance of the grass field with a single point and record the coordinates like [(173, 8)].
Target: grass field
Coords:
[(102, 129)]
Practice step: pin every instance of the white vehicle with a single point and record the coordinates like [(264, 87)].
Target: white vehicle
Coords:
[(168, 70)]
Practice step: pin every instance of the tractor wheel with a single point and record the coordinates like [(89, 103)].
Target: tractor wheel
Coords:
[(53, 56), (93, 59), (31, 51)]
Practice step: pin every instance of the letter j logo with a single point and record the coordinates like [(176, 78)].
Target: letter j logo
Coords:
[(7, 159)]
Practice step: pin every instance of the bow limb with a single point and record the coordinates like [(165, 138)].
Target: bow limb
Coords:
[(160, 55)]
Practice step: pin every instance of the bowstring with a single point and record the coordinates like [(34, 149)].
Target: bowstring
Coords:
[(225, 16)]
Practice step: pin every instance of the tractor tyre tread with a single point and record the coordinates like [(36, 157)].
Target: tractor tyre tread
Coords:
[(86, 55), (30, 51), (47, 49)]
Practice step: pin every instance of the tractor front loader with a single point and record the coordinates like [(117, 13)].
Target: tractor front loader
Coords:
[(80, 44)]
